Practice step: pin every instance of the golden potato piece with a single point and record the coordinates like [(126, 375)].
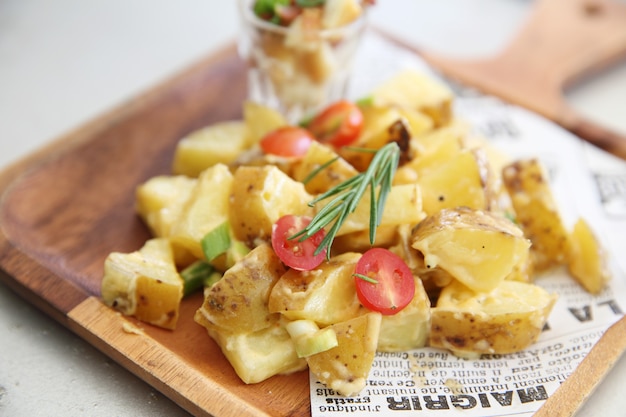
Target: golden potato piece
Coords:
[(205, 209), (385, 128), (256, 356), (409, 328), (505, 320), (432, 279), (417, 122), (588, 262), (144, 284), (458, 181), (360, 241), (537, 213), (331, 175), (478, 248), (160, 199), (345, 367), (413, 89), (325, 295), (237, 303), (217, 143), (403, 206), (262, 196), (259, 121), (431, 150)]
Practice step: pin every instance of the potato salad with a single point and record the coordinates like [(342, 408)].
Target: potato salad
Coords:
[(383, 224)]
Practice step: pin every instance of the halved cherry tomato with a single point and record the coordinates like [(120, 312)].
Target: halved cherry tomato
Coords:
[(392, 284), (294, 253), (339, 124), (287, 141)]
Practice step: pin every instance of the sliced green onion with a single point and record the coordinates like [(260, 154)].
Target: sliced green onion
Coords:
[(216, 242), (195, 276)]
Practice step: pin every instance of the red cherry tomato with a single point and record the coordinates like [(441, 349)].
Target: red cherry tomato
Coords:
[(294, 253), (338, 125), (287, 141), (394, 287)]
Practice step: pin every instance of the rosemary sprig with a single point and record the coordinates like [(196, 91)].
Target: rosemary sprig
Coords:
[(366, 278), (346, 196)]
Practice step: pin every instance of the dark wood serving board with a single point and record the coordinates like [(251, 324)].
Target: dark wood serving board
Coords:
[(67, 206)]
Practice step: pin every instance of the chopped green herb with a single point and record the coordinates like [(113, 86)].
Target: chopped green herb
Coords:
[(216, 242), (195, 276), (346, 197), (366, 278)]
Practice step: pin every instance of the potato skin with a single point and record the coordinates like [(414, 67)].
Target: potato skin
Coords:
[(260, 196), (325, 295), (478, 248), (144, 284), (237, 303), (345, 367), (588, 261), (331, 176), (537, 213), (507, 320), (470, 332)]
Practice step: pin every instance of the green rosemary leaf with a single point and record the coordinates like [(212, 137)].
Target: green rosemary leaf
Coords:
[(366, 278), (344, 198), (374, 214), (319, 169), (345, 185)]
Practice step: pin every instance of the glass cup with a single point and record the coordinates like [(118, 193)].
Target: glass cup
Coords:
[(297, 69)]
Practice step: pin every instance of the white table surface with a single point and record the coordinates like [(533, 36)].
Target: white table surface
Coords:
[(64, 62)]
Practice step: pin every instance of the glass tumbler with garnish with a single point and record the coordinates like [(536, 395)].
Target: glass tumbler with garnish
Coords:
[(300, 53)]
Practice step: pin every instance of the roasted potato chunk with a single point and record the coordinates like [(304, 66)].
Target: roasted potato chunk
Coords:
[(432, 149), (381, 126), (588, 262), (159, 201), (407, 329), (345, 367), (537, 213), (458, 181), (259, 120), (256, 356), (403, 206), (144, 284), (206, 209), (262, 196), (360, 241), (478, 248), (324, 295), (214, 144), (507, 319), (237, 303), (412, 89), (317, 156)]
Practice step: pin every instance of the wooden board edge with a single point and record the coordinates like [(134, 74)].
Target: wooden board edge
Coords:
[(17, 269), (136, 351), (90, 128), (37, 285), (579, 386)]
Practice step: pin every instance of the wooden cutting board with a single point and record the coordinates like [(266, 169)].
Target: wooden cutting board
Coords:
[(67, 206), (561, 43)]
